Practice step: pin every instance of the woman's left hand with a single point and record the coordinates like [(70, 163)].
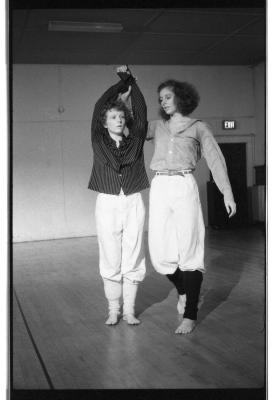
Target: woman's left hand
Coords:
[(230, 207)]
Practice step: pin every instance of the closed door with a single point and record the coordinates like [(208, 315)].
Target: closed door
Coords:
[(235, 156)]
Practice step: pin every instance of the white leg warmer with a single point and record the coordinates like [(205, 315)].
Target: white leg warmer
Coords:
[(113, 291), (129, 297)]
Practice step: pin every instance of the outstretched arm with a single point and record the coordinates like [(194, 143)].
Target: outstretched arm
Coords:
[(216, 163)]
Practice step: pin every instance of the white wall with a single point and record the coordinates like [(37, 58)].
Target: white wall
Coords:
[(52, 156)]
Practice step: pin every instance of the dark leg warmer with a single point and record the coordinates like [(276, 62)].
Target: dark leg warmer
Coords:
[(177, 279), (192, 284)]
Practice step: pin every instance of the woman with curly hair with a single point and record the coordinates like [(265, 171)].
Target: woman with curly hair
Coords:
[(176, 227)]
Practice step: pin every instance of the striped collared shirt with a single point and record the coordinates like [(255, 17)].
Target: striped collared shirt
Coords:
[(116, 168)]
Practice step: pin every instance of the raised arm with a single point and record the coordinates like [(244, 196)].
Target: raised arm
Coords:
[(138, 125), (110, 95), (139, 111)]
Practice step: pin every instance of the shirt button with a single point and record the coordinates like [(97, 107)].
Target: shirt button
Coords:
[(119, 174), (171, 140), (170, 152)]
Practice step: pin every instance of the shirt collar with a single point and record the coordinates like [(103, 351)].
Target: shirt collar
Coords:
[(111, 141), (180, 125)]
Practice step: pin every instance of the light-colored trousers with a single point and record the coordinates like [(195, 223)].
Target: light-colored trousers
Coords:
[(176, 227), (120, 224)]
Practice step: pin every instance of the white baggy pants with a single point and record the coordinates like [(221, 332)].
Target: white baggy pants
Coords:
[(176, 227), (120, 224)]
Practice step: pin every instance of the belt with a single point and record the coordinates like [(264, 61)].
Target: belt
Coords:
[(172, 172)]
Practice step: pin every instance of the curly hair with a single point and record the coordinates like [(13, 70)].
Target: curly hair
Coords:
[(186, 97), (117, 105)]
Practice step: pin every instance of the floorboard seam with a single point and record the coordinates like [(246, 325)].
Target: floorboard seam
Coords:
[(41, 361)]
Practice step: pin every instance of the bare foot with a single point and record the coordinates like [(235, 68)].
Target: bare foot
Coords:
[(181, 303), (187, 326), (131, 319), (112, 319)]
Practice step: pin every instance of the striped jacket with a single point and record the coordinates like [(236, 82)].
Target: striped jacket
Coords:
[(123, 167)]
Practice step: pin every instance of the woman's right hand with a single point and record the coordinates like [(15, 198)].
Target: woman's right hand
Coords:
[(230, 207)]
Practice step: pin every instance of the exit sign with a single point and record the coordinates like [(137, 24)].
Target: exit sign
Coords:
[(229, 124)]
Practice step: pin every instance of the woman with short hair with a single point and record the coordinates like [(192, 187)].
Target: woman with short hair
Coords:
[(119, 176)]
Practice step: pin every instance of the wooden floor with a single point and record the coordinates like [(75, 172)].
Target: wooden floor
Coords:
[(60, 340)]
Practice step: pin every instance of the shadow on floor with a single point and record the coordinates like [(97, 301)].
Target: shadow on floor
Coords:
[(156, 288), (219, 293)]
